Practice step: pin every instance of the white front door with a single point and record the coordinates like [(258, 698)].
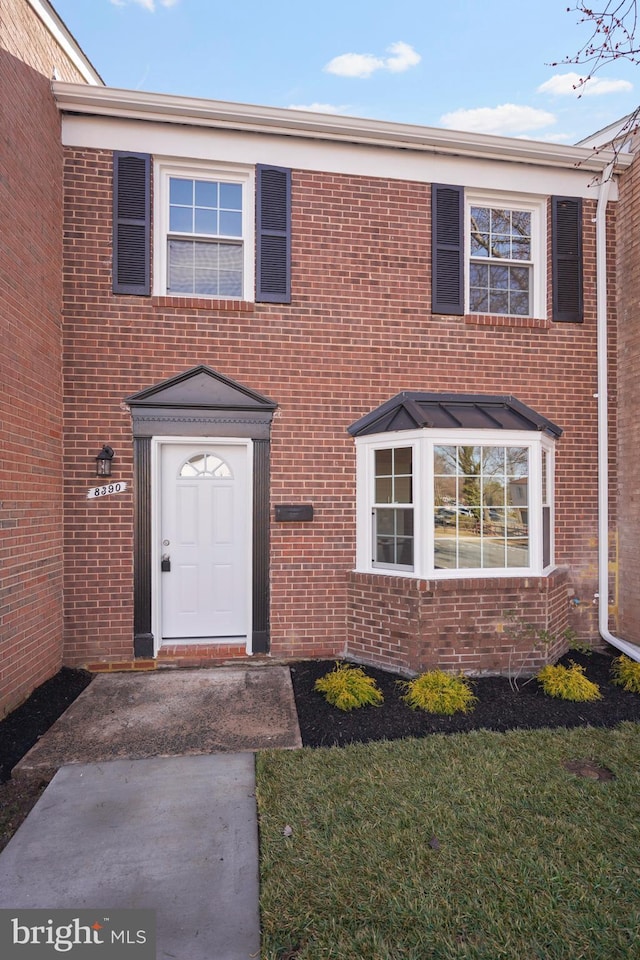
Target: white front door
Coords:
[(204, 528)]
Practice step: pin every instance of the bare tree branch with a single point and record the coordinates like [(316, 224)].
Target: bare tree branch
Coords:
[(613, 36)]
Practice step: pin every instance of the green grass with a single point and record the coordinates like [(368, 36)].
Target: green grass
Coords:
[(531, 862)]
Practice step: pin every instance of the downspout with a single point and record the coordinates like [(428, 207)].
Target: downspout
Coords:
[(630, 649)]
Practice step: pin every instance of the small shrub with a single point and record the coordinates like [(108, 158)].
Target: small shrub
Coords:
[(439, 692), (626, 673), (347, 687), (568, 683)]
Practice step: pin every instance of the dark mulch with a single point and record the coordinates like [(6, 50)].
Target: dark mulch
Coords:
[(20, 729), (499, 707)]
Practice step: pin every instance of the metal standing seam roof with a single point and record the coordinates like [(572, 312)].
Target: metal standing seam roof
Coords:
[(411, 410)]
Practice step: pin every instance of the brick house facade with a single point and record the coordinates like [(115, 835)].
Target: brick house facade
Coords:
[(346, 367)]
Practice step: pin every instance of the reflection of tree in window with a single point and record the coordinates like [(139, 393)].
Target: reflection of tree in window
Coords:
[(500, 235)]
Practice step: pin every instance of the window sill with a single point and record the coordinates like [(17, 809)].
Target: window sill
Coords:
[(204, 303), (459, 576), (497, 320)]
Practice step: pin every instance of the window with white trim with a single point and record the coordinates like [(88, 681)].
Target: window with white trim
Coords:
[(204, 238), (506, 262), (457, 504)]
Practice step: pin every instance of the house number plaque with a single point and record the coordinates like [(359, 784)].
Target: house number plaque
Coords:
[(106, 490)]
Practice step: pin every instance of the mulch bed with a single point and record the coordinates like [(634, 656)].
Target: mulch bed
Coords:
[(20, 729), (499, 707)]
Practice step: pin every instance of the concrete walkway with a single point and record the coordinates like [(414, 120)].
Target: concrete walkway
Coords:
[(174, 829)]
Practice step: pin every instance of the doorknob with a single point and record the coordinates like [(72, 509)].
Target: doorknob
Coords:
[(165, 563)]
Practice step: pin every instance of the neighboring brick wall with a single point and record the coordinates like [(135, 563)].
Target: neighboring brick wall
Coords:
[(31, 554), (23, 34), (629, 404), (359, 330)]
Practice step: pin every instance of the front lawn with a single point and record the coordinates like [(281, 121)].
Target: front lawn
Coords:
[(479, 845)]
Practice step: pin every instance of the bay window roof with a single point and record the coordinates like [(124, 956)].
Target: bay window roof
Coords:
[(414, 409)]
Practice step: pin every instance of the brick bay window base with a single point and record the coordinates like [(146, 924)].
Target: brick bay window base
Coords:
[(499, 625)]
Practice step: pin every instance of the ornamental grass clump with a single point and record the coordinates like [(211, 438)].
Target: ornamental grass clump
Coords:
[(347, 688), (568, 683), (438, 692), (626, 673)]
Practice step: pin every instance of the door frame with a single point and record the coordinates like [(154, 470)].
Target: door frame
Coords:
[(157, 444)]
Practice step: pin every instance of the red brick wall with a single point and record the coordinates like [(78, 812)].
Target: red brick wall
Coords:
[(508, 626), (31, 554), (359, 330), (629, 404)]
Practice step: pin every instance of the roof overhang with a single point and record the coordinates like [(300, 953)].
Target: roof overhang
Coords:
[(166, 108)]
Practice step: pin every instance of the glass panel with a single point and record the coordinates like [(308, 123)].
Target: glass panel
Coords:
[(493, 553), (385, 552), (517, 553), (230, 224), (516, 521), (445, 460), (404, 523), (230, 283), (445, 490), (180, 191), (403, 460), (206, 193), (498, 302), (402, 490), (206, 221), (383, 462), (181, 220), (384, 490), (385, 522), (470, 552), (479, 274), (180, 279), (404, 555), (517, 461), (205, 465), (445, 557), (231, 196), (478, 301)]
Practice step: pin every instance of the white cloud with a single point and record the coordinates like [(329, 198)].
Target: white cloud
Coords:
[(566, 84), (149, 5), (507, 119), (320, 107), (362, 65), (404, 57)]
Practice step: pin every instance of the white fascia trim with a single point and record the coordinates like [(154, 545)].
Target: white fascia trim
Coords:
[(66, 42), (166, 108)]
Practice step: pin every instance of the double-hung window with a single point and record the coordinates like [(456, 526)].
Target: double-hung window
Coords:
[(506, 263), (204, 246)]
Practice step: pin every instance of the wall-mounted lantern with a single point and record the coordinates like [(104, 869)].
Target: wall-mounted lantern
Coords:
[(103, 461)]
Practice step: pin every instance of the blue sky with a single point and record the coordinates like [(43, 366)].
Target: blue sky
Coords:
[(477, 65)]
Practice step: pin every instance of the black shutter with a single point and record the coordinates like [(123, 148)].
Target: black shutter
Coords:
[(131, 223), (447, 249), (566, 229), (273, 234)]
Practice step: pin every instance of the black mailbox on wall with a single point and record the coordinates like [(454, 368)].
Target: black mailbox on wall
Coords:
[(293, 512)]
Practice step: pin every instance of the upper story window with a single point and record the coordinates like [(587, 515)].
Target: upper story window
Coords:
[(506, 265), (204, 232), (490, 253)]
